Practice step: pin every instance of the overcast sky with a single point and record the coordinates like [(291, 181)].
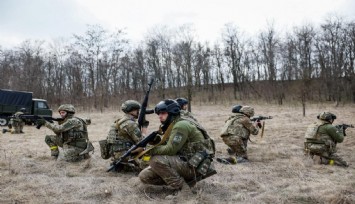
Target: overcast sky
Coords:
[(50, 19)]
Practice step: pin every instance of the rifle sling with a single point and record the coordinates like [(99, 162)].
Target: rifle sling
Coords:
[(165, 137)]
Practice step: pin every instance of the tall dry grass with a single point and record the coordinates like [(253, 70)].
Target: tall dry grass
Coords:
[(278, 171)]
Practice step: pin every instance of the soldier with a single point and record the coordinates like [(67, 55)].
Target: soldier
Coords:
[(183, 103), (71, 135), (321, 139), (124, 133), (16, 123), (236, 133), (184, 154)]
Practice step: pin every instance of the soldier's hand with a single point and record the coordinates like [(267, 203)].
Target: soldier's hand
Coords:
[(258, 123), (138, 150), (41, 121)]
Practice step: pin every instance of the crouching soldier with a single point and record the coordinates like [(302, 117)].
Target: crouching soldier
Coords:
[(124, 133), (184, 154), (71, 135), (321, 139)]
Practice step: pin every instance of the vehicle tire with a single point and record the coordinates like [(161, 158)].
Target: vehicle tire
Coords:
[(3, 122)]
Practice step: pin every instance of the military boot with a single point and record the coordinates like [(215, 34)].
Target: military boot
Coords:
[(229, 160), (185, 192), (242, 160), (4, 131), (54, 152)]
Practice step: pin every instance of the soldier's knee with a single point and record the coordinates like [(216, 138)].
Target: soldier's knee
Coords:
[(144, 175), (157, 161)]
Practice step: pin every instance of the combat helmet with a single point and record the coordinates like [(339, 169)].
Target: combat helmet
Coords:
[(182, 101), (327, 116), (69, 108), (170, 106), (130, 105), (236, 108), (23, 109), (247, 110)]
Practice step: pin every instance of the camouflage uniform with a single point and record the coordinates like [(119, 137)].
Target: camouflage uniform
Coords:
[(122, 135), (321, 139), (16, 123), (172, 163), (236, 133), (71, 135), (183, 102), (187, 114)]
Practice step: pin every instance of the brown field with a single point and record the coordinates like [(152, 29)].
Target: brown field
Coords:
[(278, 171)]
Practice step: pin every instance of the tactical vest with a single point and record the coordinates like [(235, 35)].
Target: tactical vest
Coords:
[(117, 137), (199, 154), (312, 133), (77, 136)]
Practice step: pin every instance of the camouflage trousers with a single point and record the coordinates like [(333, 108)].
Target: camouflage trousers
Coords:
[(70, 152), (17, 127), (167, 170), (327, 155), (237, 144)]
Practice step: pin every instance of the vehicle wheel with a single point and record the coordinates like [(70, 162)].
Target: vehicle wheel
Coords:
[(3, 121)]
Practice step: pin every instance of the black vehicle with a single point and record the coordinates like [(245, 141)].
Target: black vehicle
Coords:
[(12, 101)]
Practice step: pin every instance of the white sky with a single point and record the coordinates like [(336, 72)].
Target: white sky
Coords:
[(50, 19)]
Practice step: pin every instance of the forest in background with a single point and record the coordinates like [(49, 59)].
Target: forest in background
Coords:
[(100, 69)]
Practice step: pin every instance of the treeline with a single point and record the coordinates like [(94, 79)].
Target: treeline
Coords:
[(100, 69)]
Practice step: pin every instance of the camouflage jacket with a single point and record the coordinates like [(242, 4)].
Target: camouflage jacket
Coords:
[(185, 139), (70, 129), (322, 132), (239, 125)]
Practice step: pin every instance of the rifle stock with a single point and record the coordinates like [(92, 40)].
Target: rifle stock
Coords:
[(142, 143)]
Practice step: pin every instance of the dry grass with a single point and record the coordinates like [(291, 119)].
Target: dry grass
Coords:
[(278, 173)]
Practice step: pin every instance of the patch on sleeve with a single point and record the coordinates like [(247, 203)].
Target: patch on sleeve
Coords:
[(177, 138)]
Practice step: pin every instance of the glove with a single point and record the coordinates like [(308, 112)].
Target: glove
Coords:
[(145, 124), (259, 124), (41, 122)]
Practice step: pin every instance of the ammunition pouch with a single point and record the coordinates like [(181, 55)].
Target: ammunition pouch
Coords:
[(201, 161), (119, 146), (104, 149), (78, 143), (316, 149)]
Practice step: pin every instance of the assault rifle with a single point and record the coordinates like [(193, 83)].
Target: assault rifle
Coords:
[(260, 117), (143, 111), (36, 117), (116, 164), (344, 127)]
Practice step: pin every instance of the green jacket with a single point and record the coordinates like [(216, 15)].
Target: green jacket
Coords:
[(326, 133), (182, 136)]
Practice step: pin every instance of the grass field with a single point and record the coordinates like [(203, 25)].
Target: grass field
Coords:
[(278, 171)]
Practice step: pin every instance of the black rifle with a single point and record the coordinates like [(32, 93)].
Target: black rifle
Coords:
[(143, 111), (344, 127), (115, 165), (36, 117), (258, 118)]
